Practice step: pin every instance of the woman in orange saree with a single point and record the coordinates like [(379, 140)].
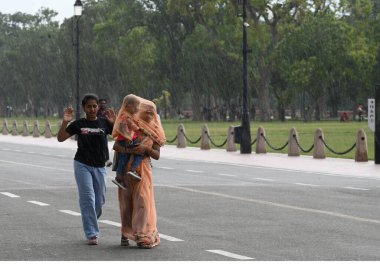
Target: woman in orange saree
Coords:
[(137, 204)]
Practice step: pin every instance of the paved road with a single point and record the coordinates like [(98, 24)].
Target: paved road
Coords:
[(210, 210)]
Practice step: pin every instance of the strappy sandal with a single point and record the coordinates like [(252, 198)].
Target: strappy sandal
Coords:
[(145, 246), (124, 242)]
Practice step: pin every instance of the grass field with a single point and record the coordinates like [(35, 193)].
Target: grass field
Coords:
[(339, 136)]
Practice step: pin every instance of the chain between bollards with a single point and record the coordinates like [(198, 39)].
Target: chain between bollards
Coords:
[(271, 146), (212, 142), (337, 153), (303, 150), (192, 142)]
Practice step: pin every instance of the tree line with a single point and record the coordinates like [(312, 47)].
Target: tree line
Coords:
[(309, 56)]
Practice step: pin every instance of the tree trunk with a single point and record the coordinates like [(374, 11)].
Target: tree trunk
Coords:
[(317, 112), (196, 105), (281, 113), (263, 95)]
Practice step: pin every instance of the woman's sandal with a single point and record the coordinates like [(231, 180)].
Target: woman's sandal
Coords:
[(145, 246), (124, 242)]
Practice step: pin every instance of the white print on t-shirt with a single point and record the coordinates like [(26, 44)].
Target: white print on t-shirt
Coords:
[(92, 131)]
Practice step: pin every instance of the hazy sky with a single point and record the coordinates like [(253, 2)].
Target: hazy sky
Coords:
[(65, 8)]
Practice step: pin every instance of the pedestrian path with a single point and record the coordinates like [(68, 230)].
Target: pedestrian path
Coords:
[(332, 166)]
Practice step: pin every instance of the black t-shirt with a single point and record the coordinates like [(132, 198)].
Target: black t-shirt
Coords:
[(92, 140)]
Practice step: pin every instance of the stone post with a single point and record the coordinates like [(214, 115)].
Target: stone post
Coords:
[(319, 147), (181, 140), (48, 133), (36, 129), (231, 146), (5, 127), (205, 141), (14, 128), (361, 152), (261, 147), (293, 148), (25, 129)]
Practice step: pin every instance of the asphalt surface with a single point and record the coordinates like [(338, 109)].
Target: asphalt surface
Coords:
[(212, 206)]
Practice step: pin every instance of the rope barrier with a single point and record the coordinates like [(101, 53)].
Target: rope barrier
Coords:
[(275, 148), (303, 150), (10, 130), (337, 153), (172, 141), (192, 142), (212, 142)]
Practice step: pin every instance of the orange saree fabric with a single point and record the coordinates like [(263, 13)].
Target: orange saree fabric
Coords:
[(137, 208)]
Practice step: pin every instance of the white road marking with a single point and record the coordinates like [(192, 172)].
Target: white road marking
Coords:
[(264, 179), (37, 166), (280, 205), (170, 238), (227, 175), (229, 254), (70, 212), (193, 171), (46, 154), (5, 149), (39, 203), (10, 194), (30, 152), (169, 168), (163, 236), (110, 223), (352, 188), (306, 184), (61, 155)]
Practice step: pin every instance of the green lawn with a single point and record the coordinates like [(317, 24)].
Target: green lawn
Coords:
[(339, 136)]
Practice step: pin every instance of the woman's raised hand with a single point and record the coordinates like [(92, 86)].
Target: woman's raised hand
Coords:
[(110, 115), (68, 114)]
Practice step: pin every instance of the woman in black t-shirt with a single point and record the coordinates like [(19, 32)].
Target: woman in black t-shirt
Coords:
[(89, 160)]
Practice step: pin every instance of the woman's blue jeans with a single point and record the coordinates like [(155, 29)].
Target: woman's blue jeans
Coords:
[(91, 182)]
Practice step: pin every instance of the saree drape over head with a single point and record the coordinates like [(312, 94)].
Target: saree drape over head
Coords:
[(125, 123)]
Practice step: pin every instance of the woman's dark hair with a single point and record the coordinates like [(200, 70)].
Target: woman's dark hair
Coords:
[(88, 97)]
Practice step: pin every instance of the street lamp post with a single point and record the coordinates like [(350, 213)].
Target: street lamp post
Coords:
[(77, 13), (245, 142)]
